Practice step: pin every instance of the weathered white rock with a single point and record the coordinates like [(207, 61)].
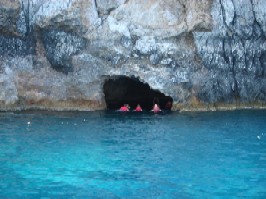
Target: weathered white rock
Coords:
[(9, 14), (104, 7), (71, 14), (163, 18), (260, 13), (57, 54)]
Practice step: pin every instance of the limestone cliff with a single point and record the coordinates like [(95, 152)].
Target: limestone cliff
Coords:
[(57, 54)]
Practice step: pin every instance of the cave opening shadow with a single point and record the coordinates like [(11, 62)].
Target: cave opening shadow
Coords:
[(119, 90)]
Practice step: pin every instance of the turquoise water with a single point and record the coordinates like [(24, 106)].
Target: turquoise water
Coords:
[(131, 155)]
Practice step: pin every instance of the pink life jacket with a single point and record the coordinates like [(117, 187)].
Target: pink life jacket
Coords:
[(138, 109), (156, 109), (124, 108)]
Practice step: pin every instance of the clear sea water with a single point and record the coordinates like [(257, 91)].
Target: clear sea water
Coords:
[(116, 155)]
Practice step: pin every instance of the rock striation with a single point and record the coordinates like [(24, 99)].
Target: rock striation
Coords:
[(9, 14), (234, 53), (205, 54)]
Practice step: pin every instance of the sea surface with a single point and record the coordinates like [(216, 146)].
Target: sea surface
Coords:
[(133, 155)]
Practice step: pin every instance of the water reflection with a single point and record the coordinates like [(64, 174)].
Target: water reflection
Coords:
[(121, 155)]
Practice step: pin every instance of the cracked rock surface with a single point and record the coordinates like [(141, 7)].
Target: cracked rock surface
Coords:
[(234, 52), (205, 54)]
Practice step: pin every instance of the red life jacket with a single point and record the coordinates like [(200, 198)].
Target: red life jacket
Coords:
[(124, 108), (156, 109), (138, 109)]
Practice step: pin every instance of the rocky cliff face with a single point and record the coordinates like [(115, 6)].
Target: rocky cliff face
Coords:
[(57, 54), (234, 53)]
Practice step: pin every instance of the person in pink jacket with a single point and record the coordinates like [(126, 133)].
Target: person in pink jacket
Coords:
[(156, 108), (138, 108), (124, 108)]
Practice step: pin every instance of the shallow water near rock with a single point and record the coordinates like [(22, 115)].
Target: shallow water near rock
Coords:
[(131, 155)]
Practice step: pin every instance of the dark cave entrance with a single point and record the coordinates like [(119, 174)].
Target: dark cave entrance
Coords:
[(121, 90)]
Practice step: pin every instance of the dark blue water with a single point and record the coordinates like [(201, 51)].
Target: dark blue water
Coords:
[(117, 155)]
